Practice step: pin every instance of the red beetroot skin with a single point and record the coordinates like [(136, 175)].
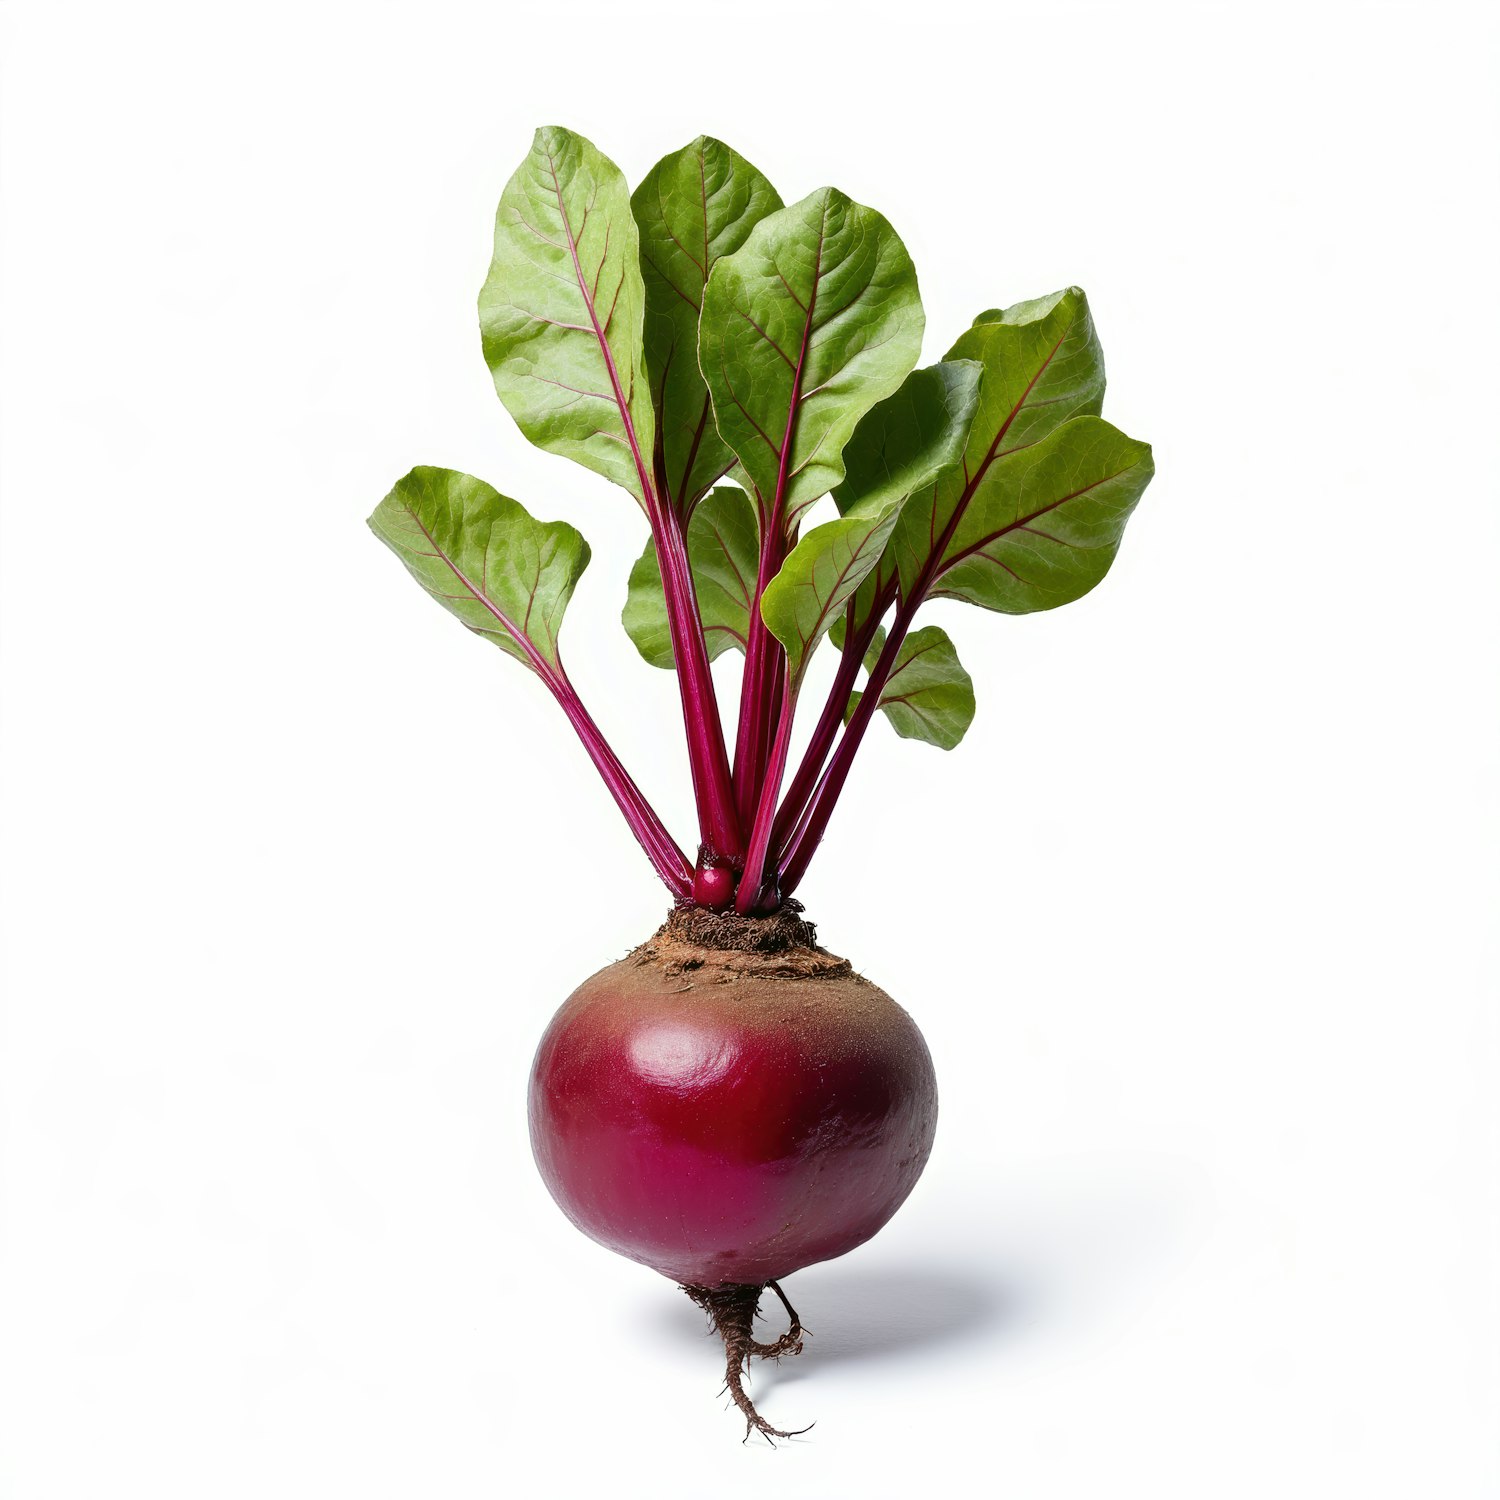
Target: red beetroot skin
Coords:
[(722, 1125)]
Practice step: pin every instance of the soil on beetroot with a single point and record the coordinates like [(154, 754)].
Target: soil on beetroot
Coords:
[(785, 930)]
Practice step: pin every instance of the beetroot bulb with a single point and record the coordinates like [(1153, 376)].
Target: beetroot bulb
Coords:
[(731, 1102), (727, 1105)]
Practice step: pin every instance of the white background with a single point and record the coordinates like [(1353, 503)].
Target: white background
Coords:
[(1199, 921)]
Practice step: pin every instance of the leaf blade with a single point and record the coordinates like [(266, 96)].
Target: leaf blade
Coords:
[(1045, 523), (804, 328), (505, 575), (911, 437), (905, 443), (693, 207), (1043, 366), (928, 695), (561, 310), (821, 574)]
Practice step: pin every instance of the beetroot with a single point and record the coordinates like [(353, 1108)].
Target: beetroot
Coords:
[(724, 1116), (731, 1102), (727, 1115)]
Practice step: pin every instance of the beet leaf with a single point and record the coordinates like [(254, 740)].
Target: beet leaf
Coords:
[(562, 314), (699, 329), (928, 695), (691, 208), (562, 308), (509, 577)]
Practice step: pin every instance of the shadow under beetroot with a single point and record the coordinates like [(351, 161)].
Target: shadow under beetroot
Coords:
[(1058, 1257)]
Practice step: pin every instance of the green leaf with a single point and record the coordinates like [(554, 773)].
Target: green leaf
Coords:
[(562, 307), (905, 443), (1045, 523), (907, 440), (1033, 310), (723, 551), (804, 328), (693, 207), (504, 574), (803, 601), (928, 695), (1042, 367)]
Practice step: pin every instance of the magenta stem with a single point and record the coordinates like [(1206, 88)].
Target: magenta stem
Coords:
[(764, 660), (666, 858), (825, 731), (669, 861), (754, 882), (719, 821), (763, 654), (814, 821)]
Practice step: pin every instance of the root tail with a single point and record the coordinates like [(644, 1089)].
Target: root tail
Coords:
[(731, 1313)]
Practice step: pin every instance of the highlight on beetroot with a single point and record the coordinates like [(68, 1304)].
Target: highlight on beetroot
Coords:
[(732, 1102)]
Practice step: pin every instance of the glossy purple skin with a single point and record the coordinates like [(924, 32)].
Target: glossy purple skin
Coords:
[(713, 886), (730, 1130)]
